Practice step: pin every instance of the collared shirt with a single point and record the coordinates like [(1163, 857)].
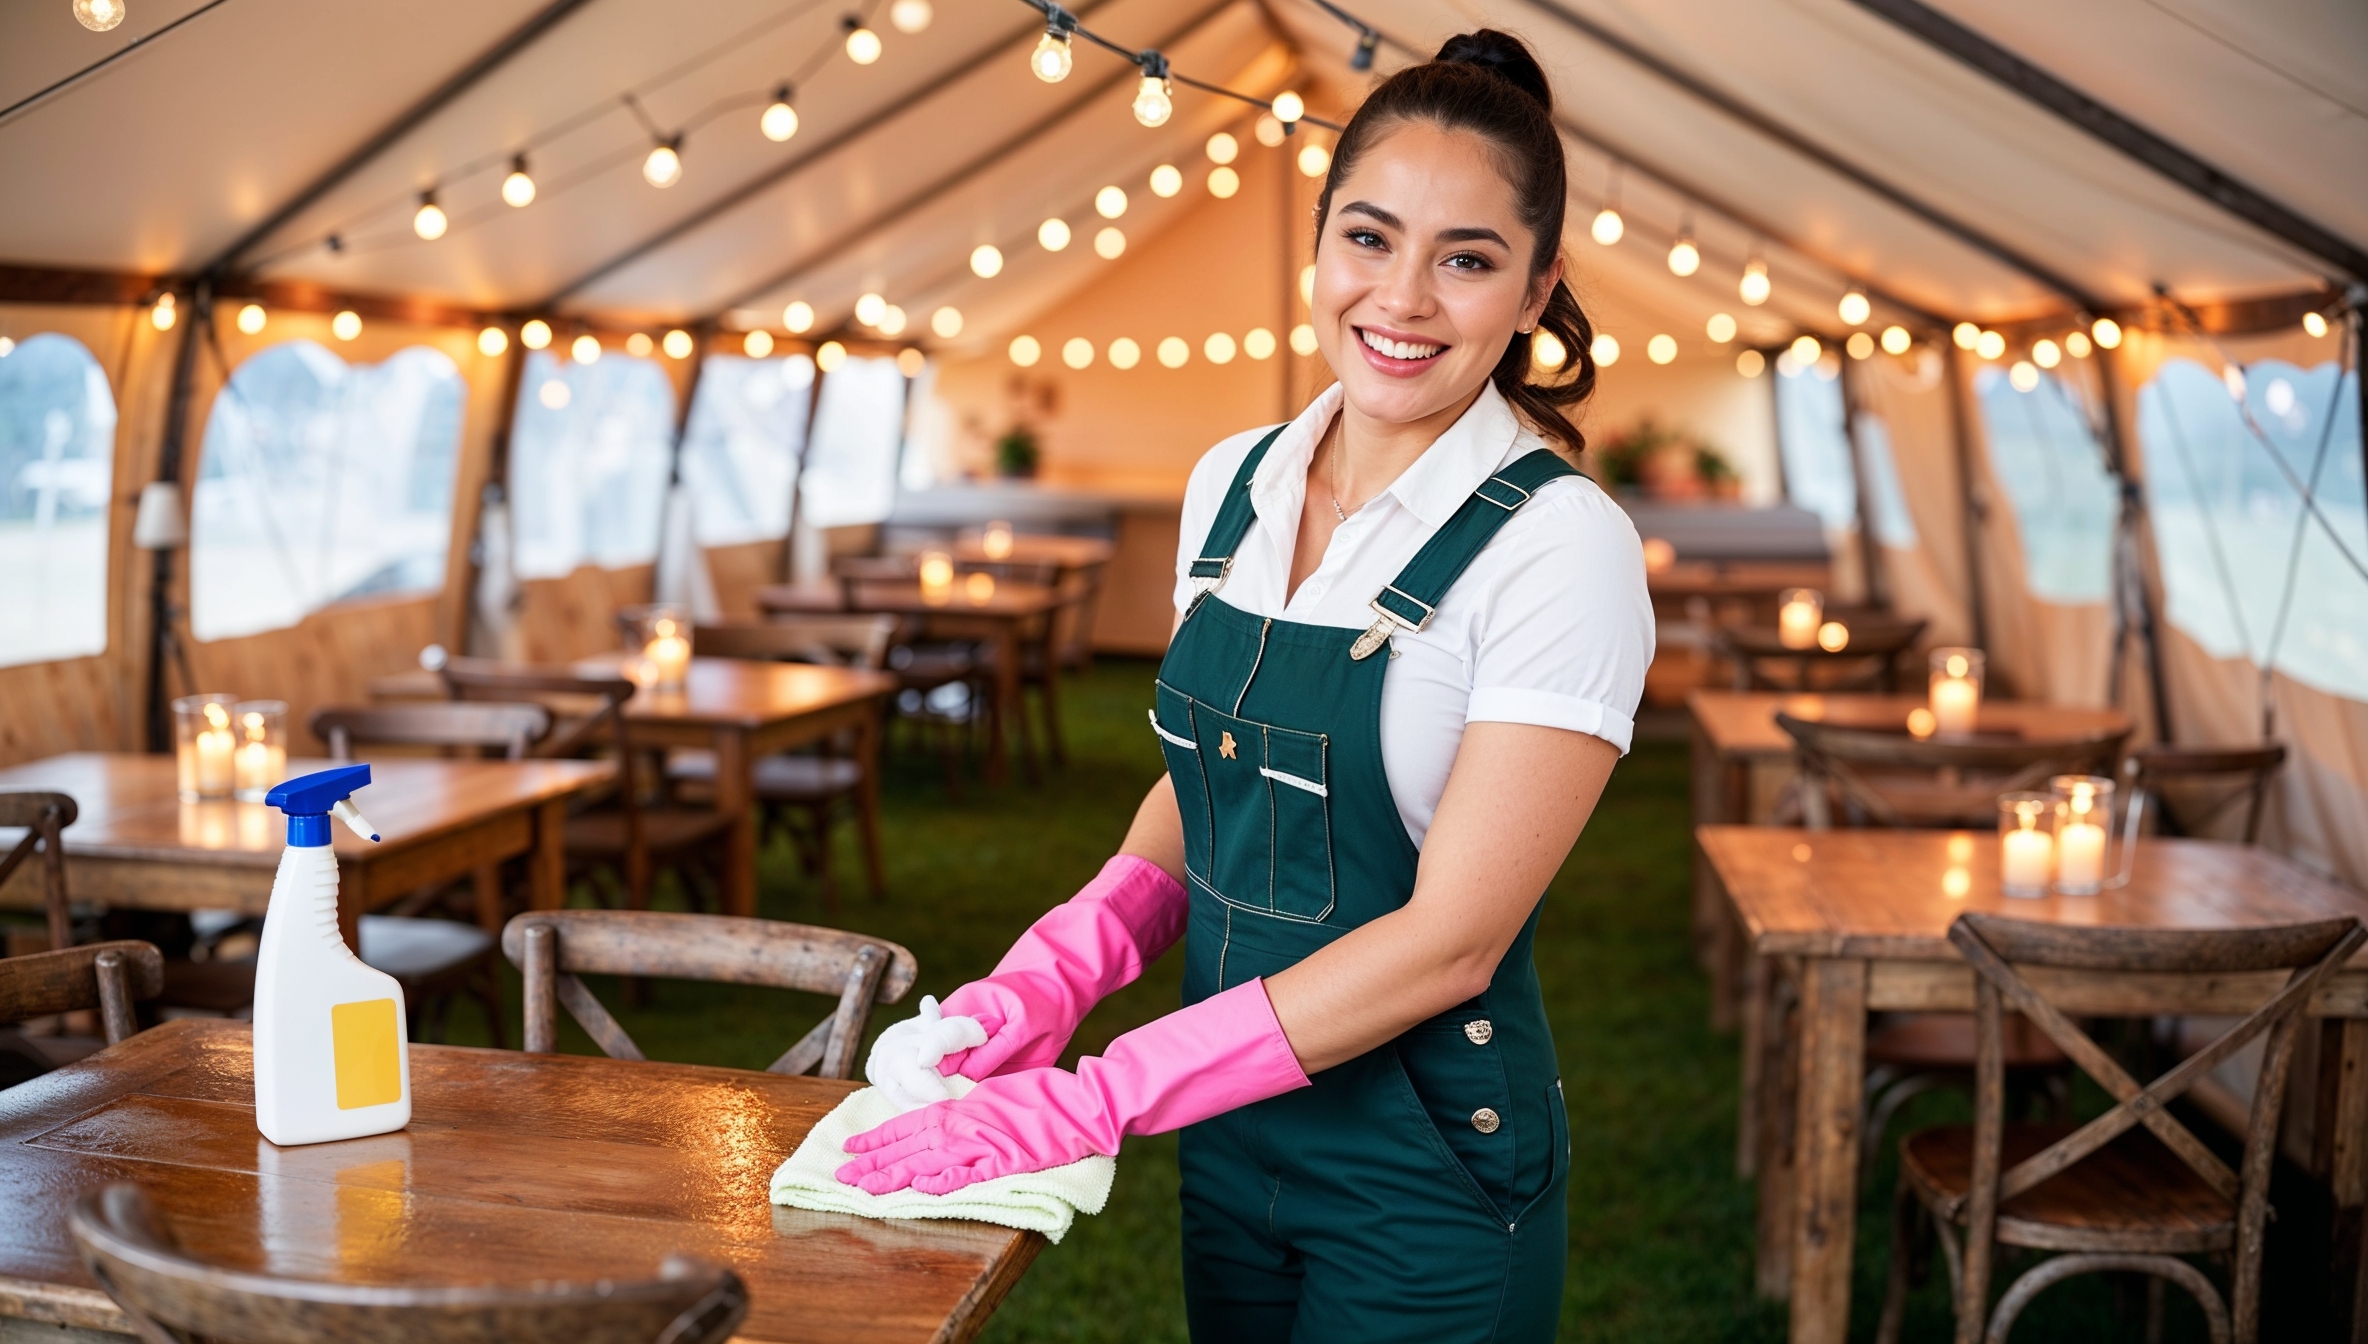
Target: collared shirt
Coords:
[(1549, 625)]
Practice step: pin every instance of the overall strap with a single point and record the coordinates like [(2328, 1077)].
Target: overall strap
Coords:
[(1411, 598), (1234, 517)]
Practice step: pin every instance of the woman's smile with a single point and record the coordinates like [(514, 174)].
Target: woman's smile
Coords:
[(1398, 354)]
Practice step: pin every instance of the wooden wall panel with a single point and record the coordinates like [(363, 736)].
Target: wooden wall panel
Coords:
[(72, 705), (574, 617), (739, 571), (328, 658)]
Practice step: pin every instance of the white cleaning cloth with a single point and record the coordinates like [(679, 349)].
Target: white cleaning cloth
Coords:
[(1044, 1201), (903, 1062)]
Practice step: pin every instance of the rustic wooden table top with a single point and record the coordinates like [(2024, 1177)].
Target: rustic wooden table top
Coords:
[(1879, 893), (1743, 723), (515, 1167), (130, 808), (1009, 601), (1037, 549), (747, 693)]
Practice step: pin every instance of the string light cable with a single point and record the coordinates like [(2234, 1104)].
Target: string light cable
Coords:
[(1059, 21), (2318, 463)]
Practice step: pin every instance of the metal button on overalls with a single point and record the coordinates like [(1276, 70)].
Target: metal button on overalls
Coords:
[(1377, 1205)]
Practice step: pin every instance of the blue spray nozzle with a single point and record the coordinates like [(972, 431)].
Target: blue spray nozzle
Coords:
[(310, 799)]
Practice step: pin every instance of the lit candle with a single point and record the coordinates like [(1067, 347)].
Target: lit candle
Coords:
[(2080, 858), (979, 588), (215, 770), (1798, 618), (668, 654), (997, 542), (1956, 691), (261, 762), (2026, 862), (937, 576)]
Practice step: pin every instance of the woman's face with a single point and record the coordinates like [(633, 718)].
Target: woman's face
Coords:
[(1422, 274)]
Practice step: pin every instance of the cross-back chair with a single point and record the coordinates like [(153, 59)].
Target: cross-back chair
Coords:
[(109, 977), (924, 669), (43, 815), (2105, 1195), (1868, 661), (553, 948), (2153, 775), (1894, 779), (512, 730), (172, 1297)]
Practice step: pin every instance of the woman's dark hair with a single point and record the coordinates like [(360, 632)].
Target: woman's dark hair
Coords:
[(1487, 83)]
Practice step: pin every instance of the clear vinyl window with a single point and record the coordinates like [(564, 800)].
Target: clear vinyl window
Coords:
[(589, 456), (57, 462)]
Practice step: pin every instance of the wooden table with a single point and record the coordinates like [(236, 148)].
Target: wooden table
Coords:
[(1077, 565), (1743, 761), (137, 845), (744, 711), (515, 1167), (1862, 917)]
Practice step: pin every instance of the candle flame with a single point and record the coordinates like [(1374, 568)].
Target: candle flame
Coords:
[(217, 717), (1921, 723), (1957, 665)]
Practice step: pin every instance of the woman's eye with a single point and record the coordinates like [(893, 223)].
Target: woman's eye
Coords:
[(1363, 237), (1468, 261)]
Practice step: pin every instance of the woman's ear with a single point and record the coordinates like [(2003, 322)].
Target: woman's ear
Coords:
[(1540, 291)]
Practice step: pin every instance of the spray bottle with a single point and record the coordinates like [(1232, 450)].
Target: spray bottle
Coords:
[(330, 1057)]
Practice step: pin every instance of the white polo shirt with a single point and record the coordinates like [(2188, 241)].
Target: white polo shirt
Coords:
[(1550, 624)]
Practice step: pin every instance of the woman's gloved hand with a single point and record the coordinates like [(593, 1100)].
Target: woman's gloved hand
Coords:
[(1225, 1051), (903, 1062), (1073, 957)]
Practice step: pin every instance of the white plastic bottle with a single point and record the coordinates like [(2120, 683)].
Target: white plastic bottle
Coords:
[(331, 1061)]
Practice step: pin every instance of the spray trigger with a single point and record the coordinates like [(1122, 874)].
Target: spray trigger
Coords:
[(345, 811)]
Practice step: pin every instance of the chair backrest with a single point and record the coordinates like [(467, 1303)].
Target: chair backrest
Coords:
[(43, 815), (843, 641), (110, 977), (1875, 637), (554, 947), (2247, 771), (1831, 759), (1996, 946), (511, 729), (490, 679), (173, 1296)]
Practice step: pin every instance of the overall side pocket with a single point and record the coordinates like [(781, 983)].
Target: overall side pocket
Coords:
[(1171, 720), (1301, 794)]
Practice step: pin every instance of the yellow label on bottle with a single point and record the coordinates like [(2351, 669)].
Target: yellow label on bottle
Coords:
[(368, 1041)]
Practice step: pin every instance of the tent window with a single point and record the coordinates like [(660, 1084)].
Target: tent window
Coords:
[(322, 481), (2226, 520), (57, 461), (858, 432), (1818, 475), (589, 456), (740, 452), (2047, 460)]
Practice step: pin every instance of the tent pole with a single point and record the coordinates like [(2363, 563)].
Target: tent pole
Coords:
[(164, 640), (2134, 580), (1977, 506), (2167, 158), (797, 478), (496, 484), (1870, 550)]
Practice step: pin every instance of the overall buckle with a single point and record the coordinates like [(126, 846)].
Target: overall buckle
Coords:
[(1390, 623)]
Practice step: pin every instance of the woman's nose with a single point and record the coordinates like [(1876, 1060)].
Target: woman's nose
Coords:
[(1404, 288)]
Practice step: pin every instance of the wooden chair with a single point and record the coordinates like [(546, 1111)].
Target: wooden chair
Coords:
[(808, 786), (2105, 1195), (43, 815), (554, 947), (109, 977), (1893, 779), (2152, 774), (1869, 661), (625, 834), (172, 1297), (509, 731), (922, 668)]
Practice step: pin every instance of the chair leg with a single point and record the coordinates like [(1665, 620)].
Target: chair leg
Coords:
[(1905, 1209), (2049, 1272)]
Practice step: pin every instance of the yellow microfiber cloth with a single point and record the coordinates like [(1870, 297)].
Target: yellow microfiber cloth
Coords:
[(1044, 1201)]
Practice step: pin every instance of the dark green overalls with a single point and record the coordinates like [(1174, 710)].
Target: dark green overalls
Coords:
[(1415, 1192)]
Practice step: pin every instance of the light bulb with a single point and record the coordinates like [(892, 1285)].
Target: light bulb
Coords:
[(1751, 363), (780, 120), (891, 321), (1077, 352), (1155, 101), (1805, 350), (869, 308), (1166, 181), (535, 334), (911, 16), (1661, 349), (1051, 59), (2023, 376), (1684, 257), (1110, 202), (910, 362), (1053, 234), (2107, 333), (429, 222), (1174, 351), (492, 341), (758, 344), (1269, 130), (1223, 182), (798, 316), (829, 356), (585, 349), (1109, 243), (165, 312), (1966, 335), (346, 325), (1860, 345), (639, 345), (1025, 351), (1124, 353), (1854, 308), (1303, 340), (1896, 340), (2046, 353), (1258, 343), (1754, 287), (1219, 348), (250, 318), (2314, 324), (1989, 345), (1547, 351), (1608, 226), (663, 168), (677, 344), (2076, 344), (554, 394), (518, 187), (1314, 161), (863, 45), (1223, 148), (946, 322), (98, 15), (1289, 107), (1606, 349), (1720, 328)]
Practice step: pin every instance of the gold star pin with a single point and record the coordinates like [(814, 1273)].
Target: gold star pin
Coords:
[(1225, 745)]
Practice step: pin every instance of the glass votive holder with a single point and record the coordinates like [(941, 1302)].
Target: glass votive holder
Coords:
[(1956, 691), (261, 728), (995, 543), (1799, 614), (204, 746), (937, 577), (659, 638), (2026, 843), (2085, 863)]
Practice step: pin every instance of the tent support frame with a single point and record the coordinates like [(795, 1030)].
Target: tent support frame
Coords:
[(1974, 498)]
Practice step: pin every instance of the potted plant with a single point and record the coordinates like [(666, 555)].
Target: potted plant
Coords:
[(1017, 453)]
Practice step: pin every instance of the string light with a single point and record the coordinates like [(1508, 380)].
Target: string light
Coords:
[(429, 221), (1606, 349), (586, 349), (1720, 328), (780, 120), (1077, 352), (2106, 332), (1051, 59), (1361, 59), (869, 308), (251, 318), (2023, 376), (677, 344), (1109, 243), (911, 16), (554, 394), (1270, 129), (1224, 182), (1288, 108), (663, 168), (946, 322), (165, 312), (2046, 353), (1124, 353), (1053, 234), (1989, 345), (98, 15), (891, 321), (910, 362), (1608, 226), (1754, 287), (2314, 324), (863, 45), (1966, 335), (1303, 340), (1854, 308), (1110, 202), (493, 342), (758, 344), (535, 334), (1860, 345), (1751, 363), (1258, 343), (986, 261), (639, 345), (1547, 351), (346, 325), (518, 187), (2076, 344), (1173, 352), (1166, 181), (798, 317), (1223, 148), (1684, 257), (829, 356), (1025, 351), (1219, 348), (1314, 160), (1805, 350), (1896, 340), (1155, 96), (1661, 349)]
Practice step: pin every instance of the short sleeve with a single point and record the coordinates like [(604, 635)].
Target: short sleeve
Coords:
[(1566, 630)]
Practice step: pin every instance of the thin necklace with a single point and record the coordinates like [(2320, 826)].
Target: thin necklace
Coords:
[(1337, 511)]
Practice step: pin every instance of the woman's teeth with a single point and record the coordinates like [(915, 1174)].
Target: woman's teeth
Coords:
[(1399, 349)]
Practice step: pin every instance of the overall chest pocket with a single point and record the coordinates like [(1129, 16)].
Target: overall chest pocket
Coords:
[(1269, 804)]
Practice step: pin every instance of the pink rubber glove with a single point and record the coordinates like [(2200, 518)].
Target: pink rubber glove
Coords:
[(1073, 957), (1223, 1052)]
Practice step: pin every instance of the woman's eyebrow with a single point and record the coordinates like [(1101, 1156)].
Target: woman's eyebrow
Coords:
[(1474, 234), (1373, 212)]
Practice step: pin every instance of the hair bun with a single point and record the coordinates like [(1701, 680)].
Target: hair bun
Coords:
[(1503, 55)]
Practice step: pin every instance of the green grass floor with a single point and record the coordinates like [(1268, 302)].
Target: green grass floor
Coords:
[(1660, 1226)]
